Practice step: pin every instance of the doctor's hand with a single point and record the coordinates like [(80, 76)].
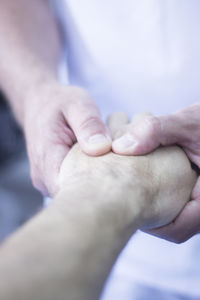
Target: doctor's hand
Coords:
[(56, 117), (182, 128)]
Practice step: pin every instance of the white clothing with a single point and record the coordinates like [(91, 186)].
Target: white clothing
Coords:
[(134, 56)]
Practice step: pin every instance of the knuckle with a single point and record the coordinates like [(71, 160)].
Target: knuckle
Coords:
[(93, 123), (153, 125), (89, 121)]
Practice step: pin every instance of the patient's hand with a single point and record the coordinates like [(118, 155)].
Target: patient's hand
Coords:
[(158, 184), (102, 201)]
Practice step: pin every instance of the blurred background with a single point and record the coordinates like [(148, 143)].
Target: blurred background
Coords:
[(18, 199)]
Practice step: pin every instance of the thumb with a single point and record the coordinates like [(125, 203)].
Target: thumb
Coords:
[(148, 134), (90, 131)]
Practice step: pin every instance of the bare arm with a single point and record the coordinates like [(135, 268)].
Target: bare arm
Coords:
[(67, 251), (51, 115), (30, 46)]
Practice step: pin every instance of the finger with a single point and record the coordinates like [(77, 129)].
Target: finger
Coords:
[(183, 227), (52, 168), (46, 157), (196, 190), (139, 117), (45, 172), (116, 123), (147, 134), (84, 119), (125, 126)]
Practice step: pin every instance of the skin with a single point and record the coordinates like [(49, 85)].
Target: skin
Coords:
[(28, 77), (67, 250), (145, 134)]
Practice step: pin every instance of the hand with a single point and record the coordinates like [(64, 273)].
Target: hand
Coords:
[(182, 128), (55, 118), (157, 190), (102, 201)]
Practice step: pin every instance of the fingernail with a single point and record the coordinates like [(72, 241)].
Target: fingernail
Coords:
[(125, 142), (97, 144), (98, 139)]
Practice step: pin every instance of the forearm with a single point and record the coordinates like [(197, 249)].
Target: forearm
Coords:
[(29, 49), (68, 250)]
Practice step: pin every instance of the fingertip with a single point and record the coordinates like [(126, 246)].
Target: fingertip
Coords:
[(125, 145), (96, 145)]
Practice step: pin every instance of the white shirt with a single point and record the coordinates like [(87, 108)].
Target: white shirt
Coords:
[(134, 56)]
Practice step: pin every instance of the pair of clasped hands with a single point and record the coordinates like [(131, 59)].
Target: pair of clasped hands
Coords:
[(100, 200), (68, 249), (158, 184), (75, 117)]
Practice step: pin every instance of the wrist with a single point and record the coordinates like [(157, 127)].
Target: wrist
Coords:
[(37, 95), (111, 205), (21, 86)]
